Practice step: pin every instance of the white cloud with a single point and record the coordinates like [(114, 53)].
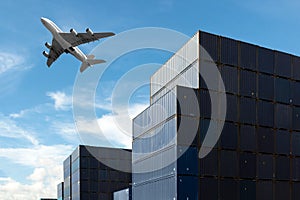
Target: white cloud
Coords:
[(10, 129), (115, 128), (62, 101), (9, 62), (48, 171)]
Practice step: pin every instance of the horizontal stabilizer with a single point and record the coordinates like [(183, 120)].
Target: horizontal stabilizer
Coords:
[(89, 62)]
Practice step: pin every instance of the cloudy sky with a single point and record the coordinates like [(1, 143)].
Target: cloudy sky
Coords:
[(38, 128)]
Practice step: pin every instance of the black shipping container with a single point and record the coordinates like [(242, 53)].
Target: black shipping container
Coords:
[(282, 190), (283, 115), (265, 113), (282, 90), (283, 64), (296, 68), (248, 110), (247, 83), (248, 56), (229, 51), (282, 168), (208, 188), (283, 142), (230, 78), (228, 164), (265, 169), (296, 169), (265, 140), (296, 143), (265, 87), (229, 136), (296, 117), (296, 93), (210, 43), (295, 191), (209, 164), (266, 60), (232, 108), (247, 190), (247, 138), (247, 165), (228, 189), (264, 190)]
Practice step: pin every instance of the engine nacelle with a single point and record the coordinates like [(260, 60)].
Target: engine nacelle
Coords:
[(48, 45), (45, 54), (73, 32), (89, 31)]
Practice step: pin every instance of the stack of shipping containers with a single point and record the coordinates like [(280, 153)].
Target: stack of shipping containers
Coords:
[(90, 178), (258, 153)]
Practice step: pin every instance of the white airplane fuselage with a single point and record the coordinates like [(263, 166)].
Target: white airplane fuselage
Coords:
[(75, 51)]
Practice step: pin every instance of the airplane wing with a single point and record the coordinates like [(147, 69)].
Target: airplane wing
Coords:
[(82, 38), (55, 51)]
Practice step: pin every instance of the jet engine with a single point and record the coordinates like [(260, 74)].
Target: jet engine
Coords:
[(48, 45), (73, 32), (89, 31), (45, 54)]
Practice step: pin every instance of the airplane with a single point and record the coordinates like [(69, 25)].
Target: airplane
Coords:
[(68, 42)]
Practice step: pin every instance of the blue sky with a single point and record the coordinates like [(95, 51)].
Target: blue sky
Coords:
[(37, 130)]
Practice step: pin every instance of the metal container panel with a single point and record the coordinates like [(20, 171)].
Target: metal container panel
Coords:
[(296, 118), (283, 145), (283, 64), (282, 90), (229, 51), (187, 131), (296, 68), (229, 136), (295, 93), (248, 83), (266, 59), (183, 58), (264, 190), (230, 78), (282, 168), (248, 110), (187, 187), (209, 164), (187, 163), (232, 108), (265, 87), (187, 102), (296, 169), (247, 165), (247, 190), (283, 116), (247, 138), (228, 189), (208, 188), (265, 113), (295, 191), (210, 43), (265, 140), (248, 56), (228, 164), (265, 169), (205, 103), (282, 190), (296, 143)]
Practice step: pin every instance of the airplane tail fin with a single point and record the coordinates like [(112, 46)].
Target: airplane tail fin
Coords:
[(89, 62)]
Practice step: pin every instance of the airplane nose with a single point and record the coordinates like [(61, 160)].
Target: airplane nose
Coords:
[(43, 20)]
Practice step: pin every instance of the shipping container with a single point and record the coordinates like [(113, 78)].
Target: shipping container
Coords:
[(247, 138), (283, 64), (282, 90), (283, 144), (247, 165), (247, 83), (248, 56), (228, 189), (232, 108), (229, 136), (247, 190), (265, 166), (282, 168), (209, 165), (209, 188), (265, 140), (296, 143), (282, 190), (247, 110), (264, 190), (266, 58), (266, 87), (228, 164), (230, 78), (265, 113), (296, 68), (283, 116), (229, 51)]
